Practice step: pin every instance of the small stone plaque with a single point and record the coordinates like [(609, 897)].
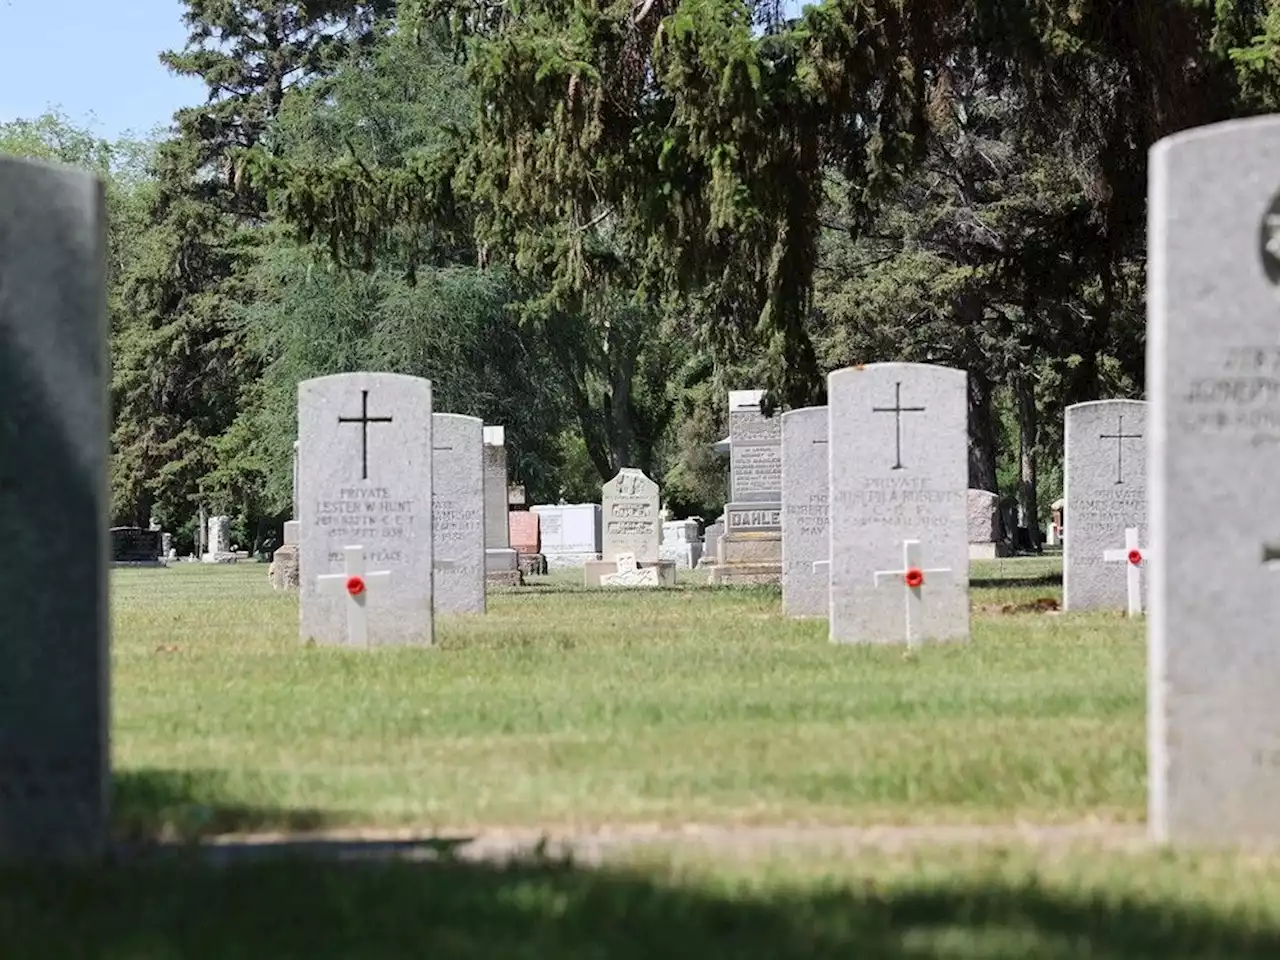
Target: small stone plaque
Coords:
[(899, 472), (805, 532), (458, 527), (629, 504), (364, 480), (1106, 493)]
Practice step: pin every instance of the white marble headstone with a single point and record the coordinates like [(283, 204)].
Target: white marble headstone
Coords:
[(364, 480), (1106, 493), (629, 505), (458, 526), (805, 534), (1213, 377), (899, 475)]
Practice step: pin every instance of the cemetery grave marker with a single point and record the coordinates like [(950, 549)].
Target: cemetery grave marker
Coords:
[(457, 512), (629, 504), (805, 531), (354, 582), (912, 578), (1106, 493), (1133, 556), (55, 761), (895, 482), (371, 487), (750, 548), (1213, 377)]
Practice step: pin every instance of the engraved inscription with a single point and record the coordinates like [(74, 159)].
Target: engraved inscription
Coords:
[(1240, 398), (371, 516), (455, 522), (754, 427), (900, 502), (1101, 513), (757, 469)]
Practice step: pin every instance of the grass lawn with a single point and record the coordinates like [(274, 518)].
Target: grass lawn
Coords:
[(577, 710)]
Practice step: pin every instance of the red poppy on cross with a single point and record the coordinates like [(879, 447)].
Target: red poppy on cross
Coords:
[(912, 577), (354, 582)]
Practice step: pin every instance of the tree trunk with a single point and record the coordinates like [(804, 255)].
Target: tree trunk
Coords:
[(982, 434), (1028, 429)]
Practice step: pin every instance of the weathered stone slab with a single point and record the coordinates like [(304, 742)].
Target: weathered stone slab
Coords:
[(571, 533), (458, 526), (898, 480), (1106, 493), (364, 479), (755, 450), (805, 532), (1213, 377), (54, 375), (629, 504)]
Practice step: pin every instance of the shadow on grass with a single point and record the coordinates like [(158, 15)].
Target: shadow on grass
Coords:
[(154, 805), (302, 908)]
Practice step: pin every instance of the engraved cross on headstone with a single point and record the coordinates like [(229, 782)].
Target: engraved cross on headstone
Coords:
[(1136, 557), (912, 577), (354, 582), (364, 420), (897, 410), (1120, 437)]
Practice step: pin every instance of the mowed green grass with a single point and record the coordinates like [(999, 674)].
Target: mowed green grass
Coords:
[(568, 707)]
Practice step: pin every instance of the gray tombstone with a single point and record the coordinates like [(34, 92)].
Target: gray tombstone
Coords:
[(805, 533), (711, 542), (458, 513), (629, 505), (899, 447), (755, 450), (1213, 376), (54, 716), (364, 480), (501, 561), (1106, 494), (750, 549)]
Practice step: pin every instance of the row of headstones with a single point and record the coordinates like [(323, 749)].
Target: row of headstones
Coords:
[(573, 534), (1106, 503), (1214, 385)]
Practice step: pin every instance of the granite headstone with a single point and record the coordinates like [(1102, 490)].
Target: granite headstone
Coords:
[(55, 761), (629, 504), (1213, 376), (805, 533), (1106, 492), (457, 524), (364, 480), (898, 449)]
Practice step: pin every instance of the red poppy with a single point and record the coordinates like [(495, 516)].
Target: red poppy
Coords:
[(1135, 557), (355, 586), (914, 577)]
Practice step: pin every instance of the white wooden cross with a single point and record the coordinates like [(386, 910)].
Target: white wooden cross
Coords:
[(912, 577), (1135, 556), (354, 582)]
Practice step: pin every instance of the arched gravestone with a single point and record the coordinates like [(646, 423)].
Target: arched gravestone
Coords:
[(364, 480), (458, 527), (54, 756), (1106, 494), (806, 541), (898, 446), (1213, 379)]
